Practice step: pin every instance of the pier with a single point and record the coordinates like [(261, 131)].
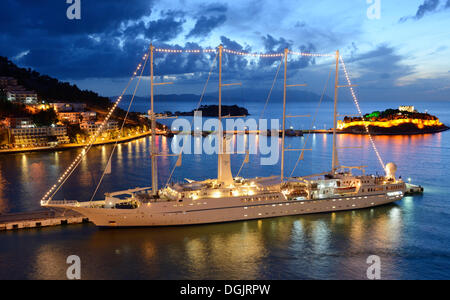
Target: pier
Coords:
[(38, 219)]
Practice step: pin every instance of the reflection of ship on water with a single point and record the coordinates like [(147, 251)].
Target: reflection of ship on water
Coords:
[(227, 198), (243, 250)]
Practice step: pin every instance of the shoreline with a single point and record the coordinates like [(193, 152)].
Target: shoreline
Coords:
[(128, 139), (74, 146)]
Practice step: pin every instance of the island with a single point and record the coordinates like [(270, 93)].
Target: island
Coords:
[(404, 120)]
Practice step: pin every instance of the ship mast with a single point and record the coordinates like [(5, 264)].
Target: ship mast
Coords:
[(153, 128), (335, 161), (283, 134), (223, 161), (220, 133)]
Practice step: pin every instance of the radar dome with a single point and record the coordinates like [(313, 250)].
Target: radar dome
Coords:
[(391, 168)]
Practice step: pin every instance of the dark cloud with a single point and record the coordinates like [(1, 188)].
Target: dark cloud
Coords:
[(428, 6), (213, 8), (49, 16), (271, 44), (164, 29), (380, 68), (205, 25), (92, 47)]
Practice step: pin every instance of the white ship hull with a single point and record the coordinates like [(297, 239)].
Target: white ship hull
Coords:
[(214, 211)]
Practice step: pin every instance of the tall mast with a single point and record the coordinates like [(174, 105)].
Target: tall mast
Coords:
[(283, 134), (220, 134), (335, 160), (153, 127)]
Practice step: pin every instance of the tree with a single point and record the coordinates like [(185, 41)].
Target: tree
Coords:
[(45, 118)]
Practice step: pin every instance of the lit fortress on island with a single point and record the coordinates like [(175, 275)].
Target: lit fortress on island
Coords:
[(404, 120), (227, 198)]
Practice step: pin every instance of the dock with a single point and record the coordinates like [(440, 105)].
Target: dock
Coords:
[(39, 219)]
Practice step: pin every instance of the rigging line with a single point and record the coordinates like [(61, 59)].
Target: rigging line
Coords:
[(355, 100), (198, 106), (206, 84), (312, 123), (69, 171), (121, 130), (271, 89), (242, 165), (265, 105)]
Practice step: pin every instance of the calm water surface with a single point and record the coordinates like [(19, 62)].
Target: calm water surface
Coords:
[(412, 236)]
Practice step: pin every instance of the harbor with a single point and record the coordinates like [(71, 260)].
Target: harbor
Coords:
[(224, 148)]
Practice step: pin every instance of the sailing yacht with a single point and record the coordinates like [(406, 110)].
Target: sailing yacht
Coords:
[(227, 198)]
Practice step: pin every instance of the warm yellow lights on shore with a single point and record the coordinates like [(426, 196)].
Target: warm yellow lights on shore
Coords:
[(390, 123), (217, 195)]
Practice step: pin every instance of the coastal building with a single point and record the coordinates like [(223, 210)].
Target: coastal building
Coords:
[(21, 96), (91, 127), (112, 125), (12, 122), (68, 107), (76, 117), (39, 136), (17, 93), (88, 116), (7, 81), (71, 117)]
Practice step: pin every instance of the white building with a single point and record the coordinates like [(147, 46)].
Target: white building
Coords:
[(407, 108), (91, 127), (25, 97), (39, 136), (68, 107)]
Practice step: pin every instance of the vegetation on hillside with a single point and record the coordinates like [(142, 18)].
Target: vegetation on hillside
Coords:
[(50, 89), (391, 114)]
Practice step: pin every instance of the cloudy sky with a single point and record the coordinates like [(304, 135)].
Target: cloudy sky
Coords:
[(403, 54)]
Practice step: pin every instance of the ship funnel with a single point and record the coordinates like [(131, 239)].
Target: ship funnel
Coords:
[(391, 169)]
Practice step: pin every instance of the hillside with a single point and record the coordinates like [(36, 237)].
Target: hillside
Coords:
[(51, 89)]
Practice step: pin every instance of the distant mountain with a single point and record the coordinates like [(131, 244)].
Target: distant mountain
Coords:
[(251, 94), (230, 96)]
